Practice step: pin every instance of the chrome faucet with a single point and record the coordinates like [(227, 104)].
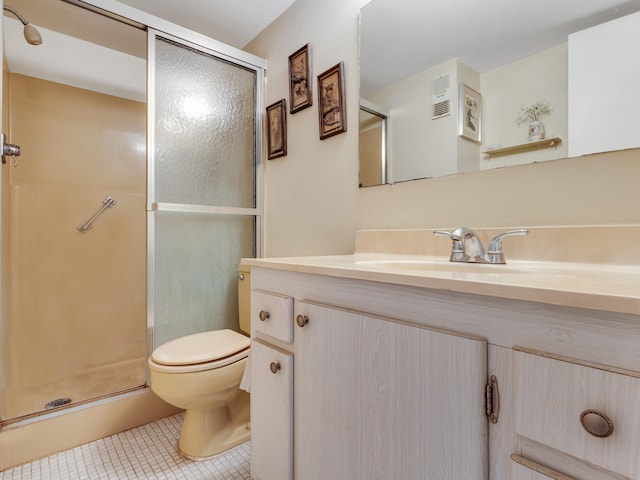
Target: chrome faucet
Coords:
[(468, 248)]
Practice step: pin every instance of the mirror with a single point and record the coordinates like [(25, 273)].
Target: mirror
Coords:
[(419, 61)]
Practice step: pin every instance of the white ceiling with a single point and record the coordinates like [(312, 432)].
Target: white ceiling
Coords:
[(235, 23)]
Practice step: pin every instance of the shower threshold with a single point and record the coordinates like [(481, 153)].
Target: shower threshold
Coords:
[(70, 406)]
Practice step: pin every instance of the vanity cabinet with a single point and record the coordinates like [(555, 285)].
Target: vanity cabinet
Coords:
[(373, 397), (391, 380)]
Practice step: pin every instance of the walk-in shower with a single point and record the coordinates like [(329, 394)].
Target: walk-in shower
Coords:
[(113, 233), (73, 283)]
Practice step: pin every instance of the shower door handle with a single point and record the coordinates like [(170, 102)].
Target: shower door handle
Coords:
[(10, 150)]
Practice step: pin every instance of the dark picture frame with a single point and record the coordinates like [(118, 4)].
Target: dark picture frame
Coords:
[(332, 107), (277, 129), (300, 81), (470, 114)]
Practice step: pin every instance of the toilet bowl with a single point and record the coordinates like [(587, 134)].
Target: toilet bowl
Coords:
[(201, 373)]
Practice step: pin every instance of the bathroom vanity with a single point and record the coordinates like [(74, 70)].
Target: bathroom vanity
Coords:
[(388, 364)]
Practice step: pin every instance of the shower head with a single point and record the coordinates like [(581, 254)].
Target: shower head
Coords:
[(31, 34)]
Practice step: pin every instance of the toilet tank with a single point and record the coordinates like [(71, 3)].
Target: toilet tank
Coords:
[(244, 297)]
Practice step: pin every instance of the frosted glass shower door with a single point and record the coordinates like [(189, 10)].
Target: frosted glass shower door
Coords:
[(203, 209)]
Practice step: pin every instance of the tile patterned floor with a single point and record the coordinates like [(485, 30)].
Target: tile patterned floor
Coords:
[(148, 452)]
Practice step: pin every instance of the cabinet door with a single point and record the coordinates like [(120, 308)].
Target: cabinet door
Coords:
[(271, 413), (376, 399)]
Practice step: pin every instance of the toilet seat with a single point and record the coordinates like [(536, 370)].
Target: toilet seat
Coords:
[(200, 351)]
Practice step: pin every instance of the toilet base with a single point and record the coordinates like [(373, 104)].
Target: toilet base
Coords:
[(208, 432)]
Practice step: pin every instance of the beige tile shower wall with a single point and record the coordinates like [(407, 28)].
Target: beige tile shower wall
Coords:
[(77, 322)]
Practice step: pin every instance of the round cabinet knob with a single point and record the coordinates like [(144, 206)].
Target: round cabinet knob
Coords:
[(264, 315), (596, 423), (274, 367), (302, 320)]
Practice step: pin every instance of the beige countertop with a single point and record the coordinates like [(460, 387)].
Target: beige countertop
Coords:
[(609, 287)]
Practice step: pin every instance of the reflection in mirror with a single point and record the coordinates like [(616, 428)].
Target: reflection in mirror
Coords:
[(408, 47), (373, 145)]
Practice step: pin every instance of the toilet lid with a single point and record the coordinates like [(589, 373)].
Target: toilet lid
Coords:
[(200, 348)]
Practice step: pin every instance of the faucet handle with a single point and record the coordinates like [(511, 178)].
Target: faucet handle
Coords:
[(442, 233), (494, 251), (457, 250)]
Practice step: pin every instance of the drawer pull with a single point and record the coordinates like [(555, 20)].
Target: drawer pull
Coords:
[(596, 423), (302, 320), (274, 367), (263, 315)]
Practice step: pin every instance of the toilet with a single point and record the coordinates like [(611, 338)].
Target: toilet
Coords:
[(201, 373)]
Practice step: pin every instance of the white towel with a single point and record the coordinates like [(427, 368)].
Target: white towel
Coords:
[(245, 383)]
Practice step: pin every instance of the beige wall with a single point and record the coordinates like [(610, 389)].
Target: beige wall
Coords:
[(313, 205), (311, 194)]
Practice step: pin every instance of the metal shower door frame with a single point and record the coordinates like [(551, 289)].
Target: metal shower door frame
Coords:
[(152, 205)]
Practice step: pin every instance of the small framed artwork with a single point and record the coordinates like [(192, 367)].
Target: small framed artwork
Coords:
[(300, 84), (277, 130), (332, 102), (470, 115)]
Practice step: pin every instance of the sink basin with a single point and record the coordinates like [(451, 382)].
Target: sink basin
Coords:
[(436, 266)]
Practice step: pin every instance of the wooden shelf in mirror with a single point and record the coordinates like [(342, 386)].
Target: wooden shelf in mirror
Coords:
[(546, 143)]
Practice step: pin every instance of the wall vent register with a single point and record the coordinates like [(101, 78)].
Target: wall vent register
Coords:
[(441, 96)]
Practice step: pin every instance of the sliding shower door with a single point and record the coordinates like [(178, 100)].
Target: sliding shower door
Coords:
[(203, 177)]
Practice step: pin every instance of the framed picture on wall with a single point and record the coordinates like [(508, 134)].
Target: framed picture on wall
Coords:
[(470, 114), (332, 102), (277, 130), (300, 83)]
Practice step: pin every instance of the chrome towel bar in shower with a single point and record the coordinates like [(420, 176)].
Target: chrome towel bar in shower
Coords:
[(108, 202)]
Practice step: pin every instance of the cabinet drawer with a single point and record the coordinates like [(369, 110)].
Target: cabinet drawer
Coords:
[(272, 315), (551, 396)]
